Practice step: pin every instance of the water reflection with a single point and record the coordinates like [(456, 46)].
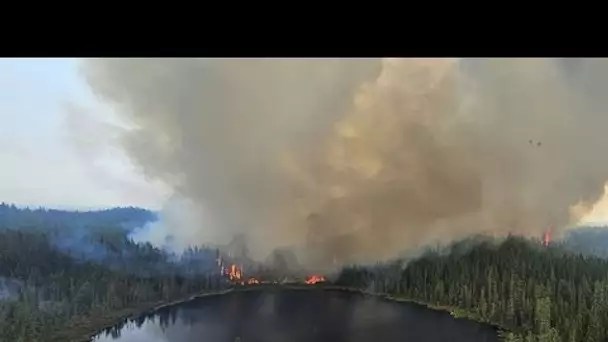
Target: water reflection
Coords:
[(287, 315)]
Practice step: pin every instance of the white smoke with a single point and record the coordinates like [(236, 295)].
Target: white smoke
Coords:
[(366, 156)]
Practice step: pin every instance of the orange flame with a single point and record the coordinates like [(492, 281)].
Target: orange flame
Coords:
[(310, 280), (235, 273), (547, 238), (252, 281)]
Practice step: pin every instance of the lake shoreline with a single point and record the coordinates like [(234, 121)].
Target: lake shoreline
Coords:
[(443, 308), (85, 329), (455, 312), (112, 319)]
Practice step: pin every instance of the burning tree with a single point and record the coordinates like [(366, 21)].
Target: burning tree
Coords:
[(314, 279), (547, 238)]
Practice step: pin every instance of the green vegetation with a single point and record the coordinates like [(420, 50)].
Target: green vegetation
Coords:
[(534, 293), (588, 241), (66, 275), (48, 294)]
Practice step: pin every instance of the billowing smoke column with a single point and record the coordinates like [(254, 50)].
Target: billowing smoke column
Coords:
[(363, 158)]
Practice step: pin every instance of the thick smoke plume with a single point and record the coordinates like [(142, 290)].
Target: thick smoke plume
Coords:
[(362, 158)]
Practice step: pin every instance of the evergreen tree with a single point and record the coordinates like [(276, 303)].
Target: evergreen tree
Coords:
[(537, 293), (49, 288)]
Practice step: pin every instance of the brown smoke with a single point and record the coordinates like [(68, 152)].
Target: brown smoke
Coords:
[(365, 157)]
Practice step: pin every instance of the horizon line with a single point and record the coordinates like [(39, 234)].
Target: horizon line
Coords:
[(72, 208)]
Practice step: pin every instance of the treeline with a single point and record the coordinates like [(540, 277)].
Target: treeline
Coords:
[(62, 270), (588, 241), (102, 237), (89, 235), (13, 217), (535, 293), (56, 290)]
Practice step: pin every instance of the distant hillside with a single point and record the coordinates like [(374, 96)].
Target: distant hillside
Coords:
[(588, 241), (102, 236), (25, 218)]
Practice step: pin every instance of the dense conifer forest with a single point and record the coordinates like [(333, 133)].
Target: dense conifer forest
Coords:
[(535, 293), (49, 293), (588, 241), (65, 273)]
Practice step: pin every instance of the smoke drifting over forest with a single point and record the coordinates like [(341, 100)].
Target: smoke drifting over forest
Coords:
[(386, 153)]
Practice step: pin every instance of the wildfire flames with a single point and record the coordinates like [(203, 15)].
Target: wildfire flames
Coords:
[(234, 273), (547, 238), (310, 280)]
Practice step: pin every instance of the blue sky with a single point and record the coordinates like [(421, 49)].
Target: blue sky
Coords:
[(40, 163)]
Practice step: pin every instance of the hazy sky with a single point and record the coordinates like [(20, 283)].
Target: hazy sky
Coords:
[(55, 157), (42, 161)]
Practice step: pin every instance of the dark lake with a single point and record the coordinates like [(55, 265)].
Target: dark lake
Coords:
[(297, 315)]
